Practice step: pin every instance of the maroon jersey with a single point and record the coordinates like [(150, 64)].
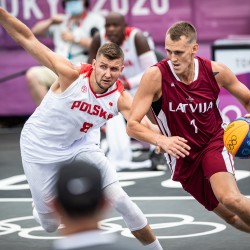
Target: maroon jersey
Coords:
[(190, 111)]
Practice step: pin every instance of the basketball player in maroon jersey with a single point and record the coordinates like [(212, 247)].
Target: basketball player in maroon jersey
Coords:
[(183, 93)]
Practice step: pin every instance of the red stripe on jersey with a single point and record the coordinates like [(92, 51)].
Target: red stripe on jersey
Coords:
[(86, 68), (120, 86), (128, 31)]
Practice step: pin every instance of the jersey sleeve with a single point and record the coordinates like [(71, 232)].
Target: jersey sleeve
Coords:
[(86, 68), (120, 86)]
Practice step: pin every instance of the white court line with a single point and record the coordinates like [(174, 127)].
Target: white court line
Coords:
[(16, 200), (133, 198), (150, 198)]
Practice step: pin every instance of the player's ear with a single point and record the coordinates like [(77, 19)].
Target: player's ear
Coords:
[(93, 63), (195, 48)]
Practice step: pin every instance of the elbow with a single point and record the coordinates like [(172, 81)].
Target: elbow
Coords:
[(129, 128)]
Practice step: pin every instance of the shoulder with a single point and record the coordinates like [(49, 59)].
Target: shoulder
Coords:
[(152, 74), (223, 74), (220, 70), (129, 30), (120, 86), (85, 68), (217, 66)]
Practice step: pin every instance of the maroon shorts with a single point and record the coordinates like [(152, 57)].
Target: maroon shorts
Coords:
[(212, 159)]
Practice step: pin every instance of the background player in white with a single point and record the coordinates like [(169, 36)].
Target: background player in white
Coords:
[(138, 57), (80, 101), (184, 90), (72, 34)]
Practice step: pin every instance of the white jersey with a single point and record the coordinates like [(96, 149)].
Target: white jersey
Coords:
[(73, 51), (131, 59), (67, 123)]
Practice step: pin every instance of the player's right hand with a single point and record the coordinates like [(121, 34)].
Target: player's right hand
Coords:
[(173, 145)]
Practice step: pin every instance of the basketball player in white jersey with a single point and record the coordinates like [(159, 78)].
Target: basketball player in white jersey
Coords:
[(59, 131), (138, 57), (183, 91)]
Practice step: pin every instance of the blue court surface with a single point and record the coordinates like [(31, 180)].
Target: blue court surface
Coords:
[(176, 218)]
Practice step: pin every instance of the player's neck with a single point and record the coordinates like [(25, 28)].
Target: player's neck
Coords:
[(95, 85), (188, 76)]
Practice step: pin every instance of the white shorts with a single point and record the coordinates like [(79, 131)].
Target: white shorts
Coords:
[(42, 177)]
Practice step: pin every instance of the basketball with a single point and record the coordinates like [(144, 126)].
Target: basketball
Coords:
[(237, 138)]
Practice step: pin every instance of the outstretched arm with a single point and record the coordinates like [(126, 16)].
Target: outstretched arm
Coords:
[(25, 38), (149, 91)]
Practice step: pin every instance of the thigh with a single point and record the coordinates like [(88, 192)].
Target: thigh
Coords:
[(217, 159), (41, 179), (224, 183), (99, 160), (200, 188)]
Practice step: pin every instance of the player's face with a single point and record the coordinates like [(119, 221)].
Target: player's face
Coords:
[(106, 72), (115, 30), (181, 54)]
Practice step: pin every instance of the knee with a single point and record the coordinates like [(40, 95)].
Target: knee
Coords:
[(229, 200), (121, 201), (50, 227), (231, 220), (49, 222), (30, 76)]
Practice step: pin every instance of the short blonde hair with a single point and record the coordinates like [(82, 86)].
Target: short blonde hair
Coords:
[(110, 51), (182, 28)]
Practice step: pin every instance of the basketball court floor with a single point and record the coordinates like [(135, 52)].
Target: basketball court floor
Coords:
[(176, 218)]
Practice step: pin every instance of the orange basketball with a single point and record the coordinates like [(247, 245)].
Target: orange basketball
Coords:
[(237, 138)]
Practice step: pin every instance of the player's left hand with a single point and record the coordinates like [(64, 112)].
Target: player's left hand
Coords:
[(67, 36)]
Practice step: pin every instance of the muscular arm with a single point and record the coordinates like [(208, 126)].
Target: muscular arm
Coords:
[(25, 38), (94, 46), (124, 106), (149, 91), (144, 96), (226, 79)]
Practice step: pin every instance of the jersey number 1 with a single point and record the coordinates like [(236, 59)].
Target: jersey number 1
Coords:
[(195, 127)]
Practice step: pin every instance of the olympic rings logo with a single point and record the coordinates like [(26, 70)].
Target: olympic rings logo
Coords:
[(232, 142), (114, 224), (182, 221)]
